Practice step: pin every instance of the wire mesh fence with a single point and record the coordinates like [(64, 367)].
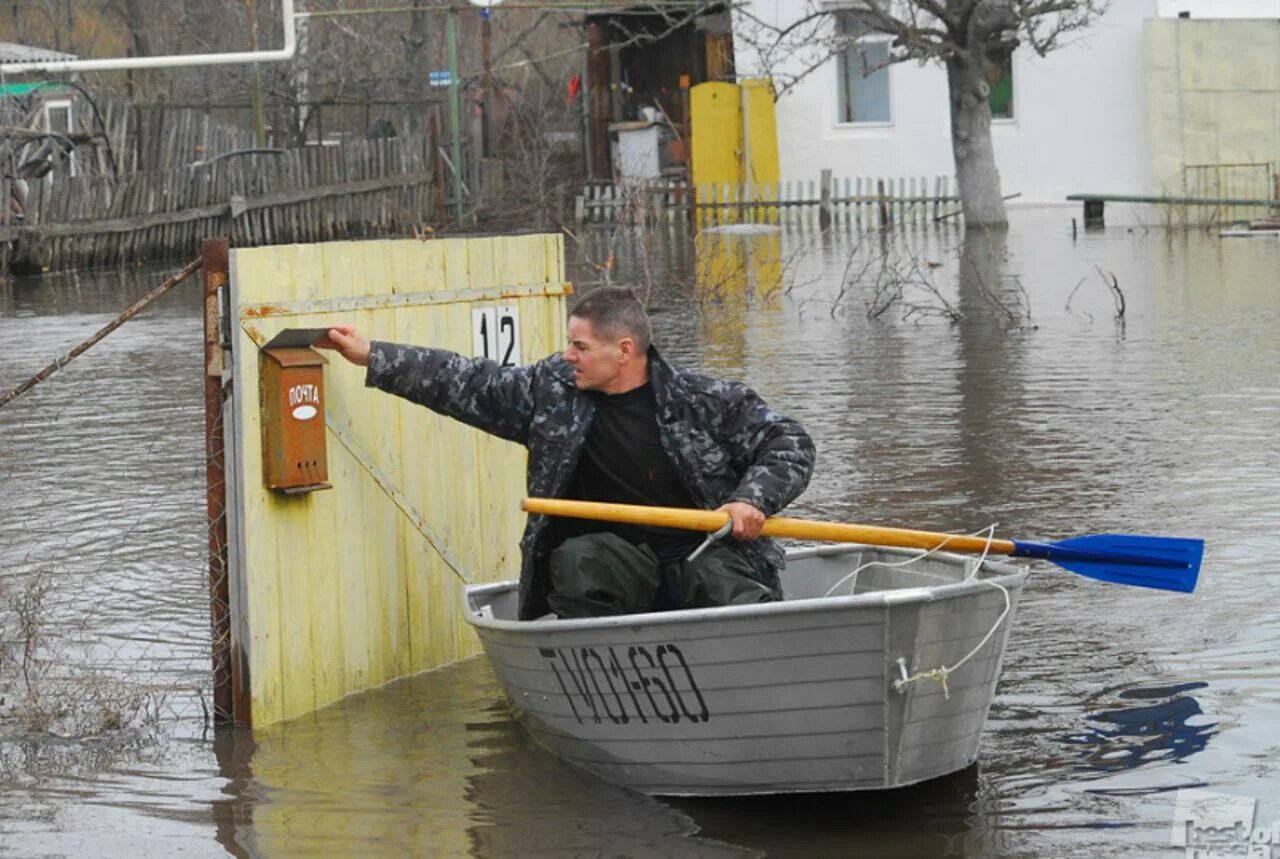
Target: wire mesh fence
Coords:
[(104, 586)]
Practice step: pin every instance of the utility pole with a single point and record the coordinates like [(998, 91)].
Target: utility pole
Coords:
[(487, 106), (455, 110), (255, 87), (302, 82)]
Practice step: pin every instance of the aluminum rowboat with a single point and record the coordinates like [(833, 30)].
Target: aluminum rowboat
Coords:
[(800, 695)]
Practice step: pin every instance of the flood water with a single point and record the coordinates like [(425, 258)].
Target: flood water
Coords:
[(1036, 408)]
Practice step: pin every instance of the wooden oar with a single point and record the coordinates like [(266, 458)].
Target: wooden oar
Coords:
[(1164, 563)]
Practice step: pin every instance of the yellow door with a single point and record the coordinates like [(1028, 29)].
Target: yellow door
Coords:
[(761, 155), (735, 144), (717, 134)]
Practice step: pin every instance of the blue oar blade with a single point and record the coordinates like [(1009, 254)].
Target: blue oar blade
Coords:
[(1164, 563)]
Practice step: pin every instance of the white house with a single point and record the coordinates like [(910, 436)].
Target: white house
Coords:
[(1078, 120)]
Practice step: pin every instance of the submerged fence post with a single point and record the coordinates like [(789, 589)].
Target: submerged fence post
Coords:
[(824, 202), (215, 254)]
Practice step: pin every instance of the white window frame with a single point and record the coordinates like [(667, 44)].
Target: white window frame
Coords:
[(1007, 121), (840, 71), (55, 104)]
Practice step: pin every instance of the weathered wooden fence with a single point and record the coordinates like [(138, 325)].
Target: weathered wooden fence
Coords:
[(865, 202), (369, 187), (117, 138), (626, 202), (868, 202), (155, 138)]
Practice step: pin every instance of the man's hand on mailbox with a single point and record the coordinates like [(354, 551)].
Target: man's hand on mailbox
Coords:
[(348, 342)]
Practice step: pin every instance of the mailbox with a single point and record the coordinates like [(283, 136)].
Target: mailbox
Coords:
[(292, 399)]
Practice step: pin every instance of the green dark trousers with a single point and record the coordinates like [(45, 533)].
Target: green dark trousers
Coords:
[(602, 574)]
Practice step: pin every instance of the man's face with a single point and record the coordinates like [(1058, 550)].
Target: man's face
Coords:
[(595, 362)]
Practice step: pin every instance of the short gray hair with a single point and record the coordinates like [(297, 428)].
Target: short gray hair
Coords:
[(615, 312)]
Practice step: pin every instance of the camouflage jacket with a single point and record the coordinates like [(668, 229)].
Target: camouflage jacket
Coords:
[(723, 440)]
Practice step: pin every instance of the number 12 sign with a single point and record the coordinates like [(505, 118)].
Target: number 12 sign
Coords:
[(495, 334)]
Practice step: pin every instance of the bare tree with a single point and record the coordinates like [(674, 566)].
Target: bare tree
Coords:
[(970, 38)]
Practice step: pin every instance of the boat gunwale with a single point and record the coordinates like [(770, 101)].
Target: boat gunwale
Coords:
[(1010, 576)]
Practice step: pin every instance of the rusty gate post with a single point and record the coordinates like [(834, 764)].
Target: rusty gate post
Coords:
[(226, 689)]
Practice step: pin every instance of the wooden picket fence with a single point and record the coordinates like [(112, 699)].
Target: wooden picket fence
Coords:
[(865, 202), (117, 138), (628, 202), (159, 138), (362, 188)]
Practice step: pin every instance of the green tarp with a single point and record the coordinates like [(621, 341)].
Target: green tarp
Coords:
[(28, 88)]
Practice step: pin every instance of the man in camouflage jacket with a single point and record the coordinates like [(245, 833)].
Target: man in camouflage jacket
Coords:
[(724, 442)]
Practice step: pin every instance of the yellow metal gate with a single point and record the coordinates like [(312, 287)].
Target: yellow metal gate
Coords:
[(344, 589)]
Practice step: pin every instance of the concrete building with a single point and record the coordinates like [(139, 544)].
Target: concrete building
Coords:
[(1213, 106), (1153, 87)]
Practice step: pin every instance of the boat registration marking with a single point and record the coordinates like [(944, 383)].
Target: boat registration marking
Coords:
[(600, 684)]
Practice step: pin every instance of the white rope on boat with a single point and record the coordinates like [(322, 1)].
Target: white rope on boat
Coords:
[(989, 531), (943, 671)]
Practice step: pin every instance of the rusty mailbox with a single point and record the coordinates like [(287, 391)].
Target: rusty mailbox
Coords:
[(292, 398)]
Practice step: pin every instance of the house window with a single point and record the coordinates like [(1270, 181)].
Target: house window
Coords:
[(59, 119), (57, 116), (1000, 78), (863, 88)]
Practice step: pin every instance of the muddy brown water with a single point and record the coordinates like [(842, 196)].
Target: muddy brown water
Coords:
[(1112, 699)]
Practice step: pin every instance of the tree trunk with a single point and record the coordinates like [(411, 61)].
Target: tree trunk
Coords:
[(140, 45), (299, 77), (419, 60), (137, 21), (976, 172), (255, 79)]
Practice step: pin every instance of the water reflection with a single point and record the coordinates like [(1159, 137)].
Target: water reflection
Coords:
[(233, 749), (950, 816), (431, 765), (436, 765), (1122, 738), (989, 380), (739, 280)]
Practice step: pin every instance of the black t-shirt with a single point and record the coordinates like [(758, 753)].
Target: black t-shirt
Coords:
[(623, 462)]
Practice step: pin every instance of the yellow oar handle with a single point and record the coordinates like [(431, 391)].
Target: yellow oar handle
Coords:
[(778, 526)]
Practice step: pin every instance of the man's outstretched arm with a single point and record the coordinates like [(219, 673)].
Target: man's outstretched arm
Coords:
[(476, 391)]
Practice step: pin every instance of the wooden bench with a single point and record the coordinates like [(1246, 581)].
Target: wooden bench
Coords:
[(1094, 203)]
